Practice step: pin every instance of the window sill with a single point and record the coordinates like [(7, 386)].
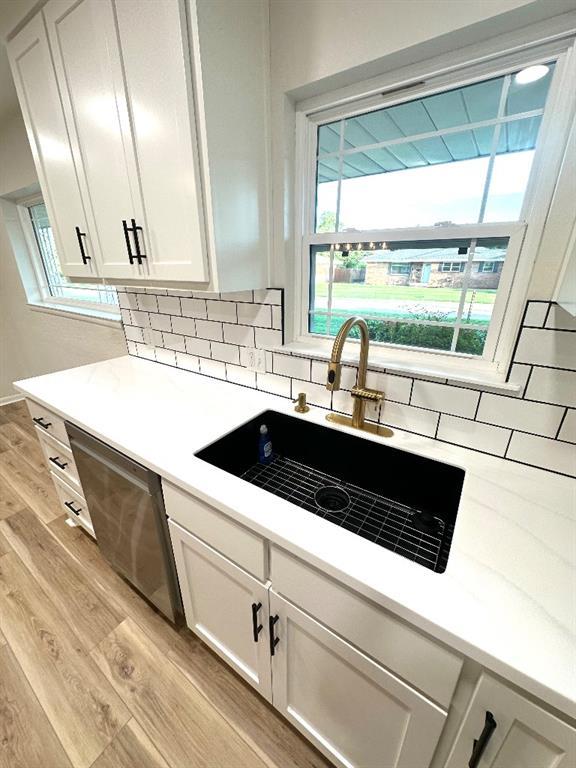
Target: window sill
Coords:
[(480, 374), (100, 317)]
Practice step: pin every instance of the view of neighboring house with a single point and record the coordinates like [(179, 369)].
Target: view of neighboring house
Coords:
[(434, 268)]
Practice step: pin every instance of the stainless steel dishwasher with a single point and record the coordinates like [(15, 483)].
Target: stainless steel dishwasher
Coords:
[(127, 510)]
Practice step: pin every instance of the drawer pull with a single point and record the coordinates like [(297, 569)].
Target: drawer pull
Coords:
[(273, 640), (70, 505), (481, 743), (41, 423), (59, 464), (256, 627), (138, 256)]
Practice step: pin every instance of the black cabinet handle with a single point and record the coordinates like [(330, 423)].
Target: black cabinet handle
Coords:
[(273, 640), (80, 235), (41, 423), (256, 627), (127, 238), (135, 230), (70, 505), (138, 256), (481, 743), (61, 464)]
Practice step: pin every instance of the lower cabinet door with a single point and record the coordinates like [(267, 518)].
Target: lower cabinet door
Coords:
[(502, 729), (225, 606), (357, 713)]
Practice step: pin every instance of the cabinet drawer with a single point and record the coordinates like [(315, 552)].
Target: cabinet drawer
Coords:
[(246, 549), (47, 422), (59, 460), (73, 504), (423, 663)]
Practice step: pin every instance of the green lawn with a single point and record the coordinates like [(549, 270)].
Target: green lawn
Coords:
[(400, 292)]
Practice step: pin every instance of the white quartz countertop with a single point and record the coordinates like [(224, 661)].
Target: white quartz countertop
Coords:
[(508, 596)]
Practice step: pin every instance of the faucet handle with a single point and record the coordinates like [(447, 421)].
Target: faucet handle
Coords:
[(364, 393)]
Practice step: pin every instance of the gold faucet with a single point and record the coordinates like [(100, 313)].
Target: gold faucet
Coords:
[(361, 394)]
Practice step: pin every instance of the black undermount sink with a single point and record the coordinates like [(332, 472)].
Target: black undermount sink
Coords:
[(398, 500)]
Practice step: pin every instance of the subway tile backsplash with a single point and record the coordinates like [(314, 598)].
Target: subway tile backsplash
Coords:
[(211, 334)]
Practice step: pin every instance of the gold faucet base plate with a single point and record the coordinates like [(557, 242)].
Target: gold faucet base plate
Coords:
[(346, 421)]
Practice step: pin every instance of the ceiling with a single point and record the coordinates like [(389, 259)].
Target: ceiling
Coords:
[(12, 12), (380, 141)]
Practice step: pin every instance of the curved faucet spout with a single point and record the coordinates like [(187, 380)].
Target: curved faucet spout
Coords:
[(360, 393), (335, 365)]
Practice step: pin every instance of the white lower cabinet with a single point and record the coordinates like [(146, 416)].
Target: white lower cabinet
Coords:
[(353, 710), (510, 732), (225, 606)]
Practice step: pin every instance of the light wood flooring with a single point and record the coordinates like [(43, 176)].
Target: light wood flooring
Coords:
[(90, 675)]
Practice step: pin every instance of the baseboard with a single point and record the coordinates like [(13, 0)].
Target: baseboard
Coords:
[(10, 399)]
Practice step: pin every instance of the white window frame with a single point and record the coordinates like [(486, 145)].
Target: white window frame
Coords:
[(493, 267), (523, 239), (405, 269), (40, 295), (451, 264)]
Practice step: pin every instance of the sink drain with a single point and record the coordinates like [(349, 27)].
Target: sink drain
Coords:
[(332, 498)]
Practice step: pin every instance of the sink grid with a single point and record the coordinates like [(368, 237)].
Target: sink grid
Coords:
[(372, 516)]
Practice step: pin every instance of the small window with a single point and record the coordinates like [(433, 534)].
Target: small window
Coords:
[(452, 266), (55, 287), (400, 269), (427, 194)]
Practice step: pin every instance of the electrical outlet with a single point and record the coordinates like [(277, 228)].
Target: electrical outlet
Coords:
[(255, 359), (147, 336)]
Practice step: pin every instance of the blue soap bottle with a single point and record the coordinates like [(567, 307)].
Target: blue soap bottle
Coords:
[(264, 446)]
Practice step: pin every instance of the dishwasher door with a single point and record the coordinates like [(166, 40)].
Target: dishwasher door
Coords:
[(127, 510)]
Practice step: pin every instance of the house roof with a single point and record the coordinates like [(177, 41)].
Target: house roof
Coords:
[(460, 107), (434, 255)]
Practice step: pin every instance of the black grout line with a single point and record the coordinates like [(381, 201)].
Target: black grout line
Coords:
[(561, 424), (525, 386), (513, 356), (508, 444), (477, 406), (547, 314), (411, 391)]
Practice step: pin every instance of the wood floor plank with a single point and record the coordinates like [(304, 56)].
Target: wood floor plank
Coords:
[(10, 502), (68, 585), (131, 748), (35, 488), (81, 705), (4, 546), (18, 413), (178, 719), (25, 444), (257, 722), (27, 739)]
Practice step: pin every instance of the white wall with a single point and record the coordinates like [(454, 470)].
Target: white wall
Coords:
[(31, 342)]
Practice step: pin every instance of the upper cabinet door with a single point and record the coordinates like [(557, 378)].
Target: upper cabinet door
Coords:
[(39, 98), (84, 43), (156, 58)]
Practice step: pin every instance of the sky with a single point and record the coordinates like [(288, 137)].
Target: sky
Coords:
[(430, 194)]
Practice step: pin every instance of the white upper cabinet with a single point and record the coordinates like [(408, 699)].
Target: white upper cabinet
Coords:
[(89, 72), (39, 98), (164, 122)]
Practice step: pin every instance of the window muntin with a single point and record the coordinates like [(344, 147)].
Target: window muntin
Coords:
[(58, 287), (425, 306), (465, 173)]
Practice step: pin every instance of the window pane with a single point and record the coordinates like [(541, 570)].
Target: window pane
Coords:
[(59, 285), (413, 294), (426, 161)]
